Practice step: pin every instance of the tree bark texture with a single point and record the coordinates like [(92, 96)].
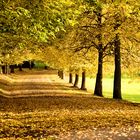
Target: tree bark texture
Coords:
[(117, 72), (98, 84)]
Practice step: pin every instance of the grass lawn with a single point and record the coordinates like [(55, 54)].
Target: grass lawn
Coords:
[(130, 88)]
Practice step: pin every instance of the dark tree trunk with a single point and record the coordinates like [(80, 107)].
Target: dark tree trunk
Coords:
[(83, 84), (20, 67), (12, 69), (46, 67), (117, 72), (61, 74), (70, 78), (98, 84), (76, 80), (58, 73), (4, 69), (30, 64)]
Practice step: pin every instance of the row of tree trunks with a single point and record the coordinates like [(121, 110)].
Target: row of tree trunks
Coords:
[(10, 69), (117, 56), (117, 72), (4, 69), (83, 84)]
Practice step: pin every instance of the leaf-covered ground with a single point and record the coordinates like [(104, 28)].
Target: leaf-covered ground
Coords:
[(68, 117)]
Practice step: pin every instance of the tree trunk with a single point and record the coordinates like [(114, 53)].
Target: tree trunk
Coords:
[(20, 67), (58, 73), (98, 84), (117, 72), (61, 74), (4, 69), (30, 64), (83, 84), (70, 78), (76, 80), (12, 69)]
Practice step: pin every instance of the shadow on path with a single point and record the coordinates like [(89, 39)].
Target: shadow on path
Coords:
[(35, 83)]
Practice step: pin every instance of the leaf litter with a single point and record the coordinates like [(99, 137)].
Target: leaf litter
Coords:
[(68, 117)]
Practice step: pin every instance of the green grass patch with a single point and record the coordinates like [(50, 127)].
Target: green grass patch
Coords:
[(130, 89), (39, 64)]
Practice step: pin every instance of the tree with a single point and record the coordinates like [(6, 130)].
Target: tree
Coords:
[(98, 29), (35, 21), (125, 14), (117, 72), (83, 86), (93, 34), (70, 78), (76, 80)]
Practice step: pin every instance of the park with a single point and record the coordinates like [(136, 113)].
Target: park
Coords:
[(69, 70)]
